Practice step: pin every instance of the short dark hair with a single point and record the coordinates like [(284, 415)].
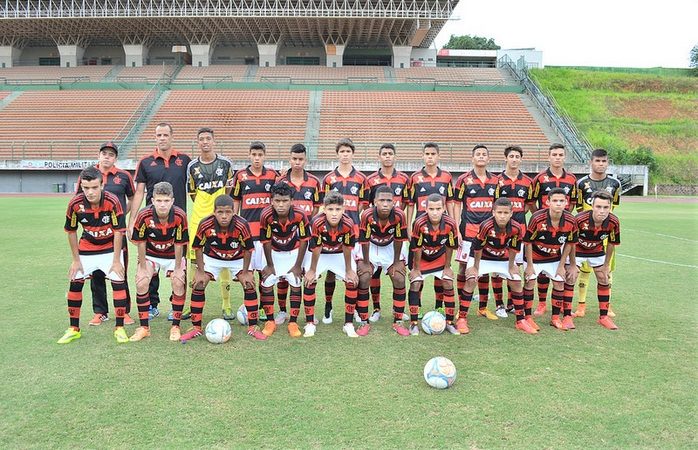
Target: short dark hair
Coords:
[(388, 146), (91, 173), (258, 145), (555, 146), (204, 130), (333, 198), (282, 189), (223, 200), (479, 146), (502, 201), (557, 190), (513, 148), (163, 188), (433, 145), (298, 148), (344, 142), (435, 198), (599, 153), (383, 189), (603, 195), (165, 124)]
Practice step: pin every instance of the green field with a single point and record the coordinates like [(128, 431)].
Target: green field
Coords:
[(590, 388)]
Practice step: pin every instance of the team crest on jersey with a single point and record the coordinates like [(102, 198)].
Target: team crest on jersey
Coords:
[(443, 241), (354, 190), (307, 195), (609, 189), (490, 191), (105, 219), (178, 162), (117, 180), (442, 190), (521, 192), (562, 239), (219, 172), (267, 187), (391, 231), (398, 190), (603, 236), (566, 189)]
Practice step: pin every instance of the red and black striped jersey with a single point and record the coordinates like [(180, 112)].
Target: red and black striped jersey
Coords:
[(381, 234), (307, 195), (422, 185), (160, 238), (590, 239), (254, 194), (117, 181), (546, 239), (224, 244), (545, 181), (98, 224), (496, 242), (331, 240), (518, 190), (433, 240), (353, 188), (284, 236), (153, 169), (477, 196), (397, 182)]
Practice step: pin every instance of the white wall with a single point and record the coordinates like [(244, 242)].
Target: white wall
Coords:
[(534, 58), (425, 57)]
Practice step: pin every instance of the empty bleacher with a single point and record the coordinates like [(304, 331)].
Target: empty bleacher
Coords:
[(66, 124), (149, 74), (452, 75), (316, 74), (51, 74), (213, 73)]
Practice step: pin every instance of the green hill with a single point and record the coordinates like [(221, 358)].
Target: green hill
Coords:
[(640, 116)]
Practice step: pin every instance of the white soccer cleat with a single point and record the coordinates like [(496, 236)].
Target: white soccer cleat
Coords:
[(501, 312), (349, 330), (414, 330), (452, 329), (309, 330), (280, 318), (375, 317), (327, 320), (357, 318)]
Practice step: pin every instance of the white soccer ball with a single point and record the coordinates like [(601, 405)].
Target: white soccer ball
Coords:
[(433, 322), (218, 331), (242, 315), (440, 372)]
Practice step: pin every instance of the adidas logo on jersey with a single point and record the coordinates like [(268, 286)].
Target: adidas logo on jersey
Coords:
[(152, 235), (247, 188), (473, 191), (423, 189), (214, 243), (84, 220)]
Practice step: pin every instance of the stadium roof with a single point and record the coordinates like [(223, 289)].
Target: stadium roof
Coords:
[(301, 23)]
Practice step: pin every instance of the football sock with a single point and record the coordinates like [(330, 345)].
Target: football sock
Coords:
[(295, 303), (567, 300), (528, 301), (75, 302), (399, 295), (450, 304), (498, 291), (329, 293), (224, 278), (558, 297), (603, 291), (517, 298), (309, 303), (483, 289), (198, 298), (438, 294), (465, 298), (510, 303), (543, 282), (177, 307), (413, 300), (376, 289), (282, 294), (268, 301), (362, 304), (251, 305), (143, 304), (350, 295), (119, 292)]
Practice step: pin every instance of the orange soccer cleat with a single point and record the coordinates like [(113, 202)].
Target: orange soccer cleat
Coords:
[(607, 322), (567, 323), (524, 326), (532, 323), (557, 323)]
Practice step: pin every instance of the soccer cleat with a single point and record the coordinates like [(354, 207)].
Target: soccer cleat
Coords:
[(510, 309), (69, 336), (567, 323), (269, 328), (128, 320), (541, 309), (255, 333), (293, 330), (228, 314), (532, 323), (611, 313), (555, 322), (262, 315), (484, 312), (451, 329), (191, 334), (186, 314), (462, 325), (524, 326), (327, 319), (375, 316), (581, 310), (140, 334), (349, 330), (153, 312), (399, 329), (606, 322), (357, 318), (309, 330), (414, 329), (405, 317), (281, 317), (120, 335), (364, 328), (501, 312), (170, 316), (98, 319), (175, 333)]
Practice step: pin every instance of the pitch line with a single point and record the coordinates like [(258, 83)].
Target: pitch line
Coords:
[(690, 266), (663, 235)]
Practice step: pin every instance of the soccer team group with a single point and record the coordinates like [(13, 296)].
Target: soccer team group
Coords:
[(291, 228)]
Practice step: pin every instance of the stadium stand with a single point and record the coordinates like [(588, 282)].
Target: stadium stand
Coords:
[(452, 75), (52, 124), (150, 74), (318, 73), (53, 73), (229, 72)]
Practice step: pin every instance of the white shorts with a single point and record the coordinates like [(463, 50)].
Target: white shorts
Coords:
[(168, 265), (258, 261), (463, 252), (332, 262), (520, 255), (382, 257), (595, 261), (439, 275), (283, 262), (550, 269), (103, 262), (214, 267), (497, 268)]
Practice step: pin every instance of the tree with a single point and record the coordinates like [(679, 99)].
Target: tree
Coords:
[(468, 42), (694, 59)]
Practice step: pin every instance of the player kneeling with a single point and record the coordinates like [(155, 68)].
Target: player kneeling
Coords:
[(223, 242), (494, 252), (99, 248), (284, 234), (331, 243), (160, 232), (433, 241), (594, 227), (382, 233), (549, 242)]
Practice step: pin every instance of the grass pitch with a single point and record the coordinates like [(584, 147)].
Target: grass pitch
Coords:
[(590, 388)]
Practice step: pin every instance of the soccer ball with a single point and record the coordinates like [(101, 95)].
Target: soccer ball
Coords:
[(440, 372), (433, 322), (242, 315), (218, 331)]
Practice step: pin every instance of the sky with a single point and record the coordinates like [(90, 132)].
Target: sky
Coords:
[(613, 33)]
